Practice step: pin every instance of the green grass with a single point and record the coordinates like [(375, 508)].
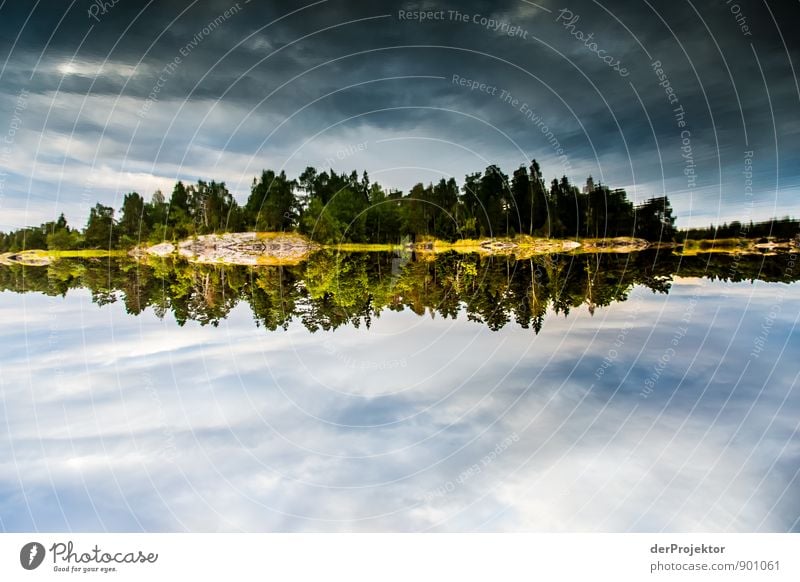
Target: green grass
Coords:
[(727, 243), (274, 235), (79, 254), (364, 247), (84, 254), (720, 245)]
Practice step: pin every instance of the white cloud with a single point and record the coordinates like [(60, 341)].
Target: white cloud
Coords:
[(273, 431)]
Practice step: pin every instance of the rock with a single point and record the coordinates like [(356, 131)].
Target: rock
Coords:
[(420, 246), (161, 250), (497, 245), (27, 258), (556, 246), (620, 244), (772, 245), (241, 248)]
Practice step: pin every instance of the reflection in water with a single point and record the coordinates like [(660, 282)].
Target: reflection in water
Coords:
[(335, 289), (640, 411)]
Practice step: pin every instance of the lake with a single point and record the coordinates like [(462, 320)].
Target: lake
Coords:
[(403, 392)]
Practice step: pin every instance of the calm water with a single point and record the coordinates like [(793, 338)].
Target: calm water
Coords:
[(392, 392)]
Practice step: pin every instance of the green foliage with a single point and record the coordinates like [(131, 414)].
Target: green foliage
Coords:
[(539, 199), (100, 232), (522, 189), (334, 289), (384, 219), (348, 208), (212, 208), (609, 213), (342, 208), (320, 225), (272, 205), (494, 197), (133, 225), (654, 220), (64, 239)]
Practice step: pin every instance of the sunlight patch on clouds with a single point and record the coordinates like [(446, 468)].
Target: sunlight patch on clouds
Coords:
[(93, 69)]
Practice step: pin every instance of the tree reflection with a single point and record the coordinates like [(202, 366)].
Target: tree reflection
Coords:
[(332, 289)]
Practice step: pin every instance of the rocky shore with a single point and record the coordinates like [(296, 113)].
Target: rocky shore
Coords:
[(243, 248)]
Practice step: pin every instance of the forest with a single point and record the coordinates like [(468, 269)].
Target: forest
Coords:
[(333, 208)]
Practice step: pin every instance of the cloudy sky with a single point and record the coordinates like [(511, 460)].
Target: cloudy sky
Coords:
[(96, 102), (120, 423)]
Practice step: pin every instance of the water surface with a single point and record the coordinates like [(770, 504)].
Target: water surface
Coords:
[(393, 392)]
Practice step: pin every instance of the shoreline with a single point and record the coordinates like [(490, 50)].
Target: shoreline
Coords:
[(277, 249)]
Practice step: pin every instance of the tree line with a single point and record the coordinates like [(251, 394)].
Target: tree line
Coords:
[(776, 228), (331, 208)]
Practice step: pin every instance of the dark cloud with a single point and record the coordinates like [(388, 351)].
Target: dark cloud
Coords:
[(255, 84)]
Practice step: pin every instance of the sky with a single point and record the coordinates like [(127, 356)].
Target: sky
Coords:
[(123, 423), (699, 101)]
